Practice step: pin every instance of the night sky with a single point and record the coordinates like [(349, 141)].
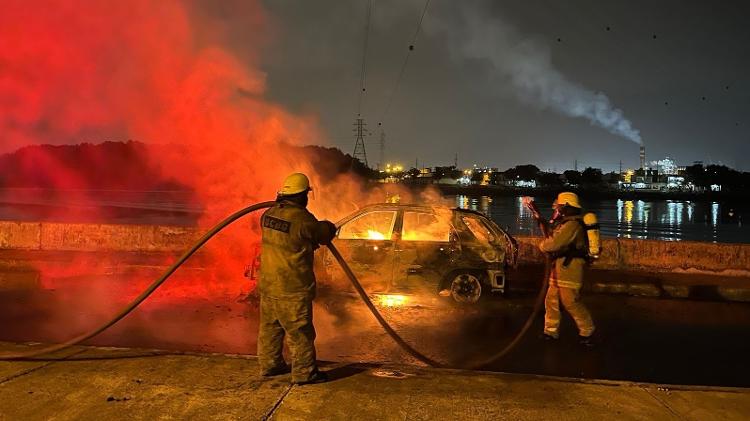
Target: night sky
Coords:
[(676, 69), (499, 83)]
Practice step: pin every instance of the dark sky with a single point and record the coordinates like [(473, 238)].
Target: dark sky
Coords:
[(492, 81)]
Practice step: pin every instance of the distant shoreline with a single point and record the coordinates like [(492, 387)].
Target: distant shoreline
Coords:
[(588, 193)]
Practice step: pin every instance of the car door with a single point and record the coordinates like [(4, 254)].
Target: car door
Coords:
[(366, 243), (423, 250)]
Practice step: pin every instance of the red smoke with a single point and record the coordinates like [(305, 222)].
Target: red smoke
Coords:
[(149, 71), (157, 72)]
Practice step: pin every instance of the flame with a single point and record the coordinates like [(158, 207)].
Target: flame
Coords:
[(375, 235), (429, 235), (392, 300)]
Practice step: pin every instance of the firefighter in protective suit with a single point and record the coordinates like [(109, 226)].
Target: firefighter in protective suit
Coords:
[(287, 283), (567, 245)]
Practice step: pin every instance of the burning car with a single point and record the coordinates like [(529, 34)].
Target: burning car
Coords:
[(403, 249)]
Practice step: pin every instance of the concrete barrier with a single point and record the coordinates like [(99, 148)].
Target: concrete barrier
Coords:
[(659, 256), (102, 237), (618, 254), (20, 235), (94, 237)]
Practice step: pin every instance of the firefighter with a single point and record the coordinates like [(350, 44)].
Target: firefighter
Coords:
[(287, 283), (568, 247)]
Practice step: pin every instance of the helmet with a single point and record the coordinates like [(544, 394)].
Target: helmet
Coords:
[(294, 184), (568, 198)]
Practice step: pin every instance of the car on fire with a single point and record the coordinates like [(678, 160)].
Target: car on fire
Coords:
[(411, 249)]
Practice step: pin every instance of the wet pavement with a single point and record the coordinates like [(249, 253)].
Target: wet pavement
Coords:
[(640, 339)]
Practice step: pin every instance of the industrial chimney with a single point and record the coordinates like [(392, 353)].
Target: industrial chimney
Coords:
[(643, 157)]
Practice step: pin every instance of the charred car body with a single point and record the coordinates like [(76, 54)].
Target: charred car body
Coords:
[(398, 248)]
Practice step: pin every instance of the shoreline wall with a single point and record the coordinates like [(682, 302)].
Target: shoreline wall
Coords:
[(618, 253), (658, 256)]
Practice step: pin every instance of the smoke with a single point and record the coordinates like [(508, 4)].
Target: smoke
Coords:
[(157, 72), (529, 70), (161, 73)]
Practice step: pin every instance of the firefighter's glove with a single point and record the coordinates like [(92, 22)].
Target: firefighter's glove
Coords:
[(330, 227)]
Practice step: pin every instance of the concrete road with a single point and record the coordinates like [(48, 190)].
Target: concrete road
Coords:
[(119, 384), (642, 339)]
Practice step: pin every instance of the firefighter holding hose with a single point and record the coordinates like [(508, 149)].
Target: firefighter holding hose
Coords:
[(569, 247), (287, 283)]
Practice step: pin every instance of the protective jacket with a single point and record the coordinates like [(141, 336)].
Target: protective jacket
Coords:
[(567, 245), (290, 236)]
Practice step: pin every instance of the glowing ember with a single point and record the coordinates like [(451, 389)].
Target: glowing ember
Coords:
[(388, 300)]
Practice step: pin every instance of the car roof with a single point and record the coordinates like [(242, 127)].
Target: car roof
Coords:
[(416, 207), (400, 206)]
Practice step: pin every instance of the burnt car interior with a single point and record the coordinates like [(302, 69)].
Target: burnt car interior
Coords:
[(415, 249)]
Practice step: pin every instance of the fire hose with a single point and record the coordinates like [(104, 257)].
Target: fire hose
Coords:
[(347, 270)]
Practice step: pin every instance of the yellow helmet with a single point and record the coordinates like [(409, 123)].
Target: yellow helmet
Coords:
[(294, 184), (568, 198)]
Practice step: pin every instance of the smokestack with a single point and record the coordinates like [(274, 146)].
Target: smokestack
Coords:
[(643, 157)]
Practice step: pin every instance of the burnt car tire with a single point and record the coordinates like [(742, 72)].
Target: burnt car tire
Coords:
[(465, 287)]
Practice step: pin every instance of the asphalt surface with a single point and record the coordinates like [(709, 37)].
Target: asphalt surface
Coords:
[(640, 339), (132, 384)]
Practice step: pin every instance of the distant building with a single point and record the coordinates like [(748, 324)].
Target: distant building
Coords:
[(662, 175)]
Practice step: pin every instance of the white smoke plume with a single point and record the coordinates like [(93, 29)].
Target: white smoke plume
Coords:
[(528, 67)]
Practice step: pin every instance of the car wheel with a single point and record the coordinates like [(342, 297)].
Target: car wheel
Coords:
[(466, 288)]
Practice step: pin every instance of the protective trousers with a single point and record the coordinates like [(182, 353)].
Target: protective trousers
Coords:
[(571, 300), (293, 318)]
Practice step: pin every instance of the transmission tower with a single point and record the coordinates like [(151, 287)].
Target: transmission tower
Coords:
[(359, 142)]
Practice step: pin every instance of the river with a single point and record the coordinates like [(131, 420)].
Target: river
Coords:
[(669, 220)]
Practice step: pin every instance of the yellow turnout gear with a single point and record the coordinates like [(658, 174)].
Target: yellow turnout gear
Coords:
[(566, 277), (287, 286), (571, 300)]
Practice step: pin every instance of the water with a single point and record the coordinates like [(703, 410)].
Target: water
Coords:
[(99, 206), (670, 220)]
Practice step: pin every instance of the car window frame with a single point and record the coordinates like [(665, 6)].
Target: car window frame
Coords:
[(451, 228), (487, 226)]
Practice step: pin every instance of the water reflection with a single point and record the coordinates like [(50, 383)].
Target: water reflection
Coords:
[(714, 220), (714, 213), (481, 204), (671, 220), (629, 214)]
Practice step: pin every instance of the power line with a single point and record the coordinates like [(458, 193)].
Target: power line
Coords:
[(403, 65), (363, 71)]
